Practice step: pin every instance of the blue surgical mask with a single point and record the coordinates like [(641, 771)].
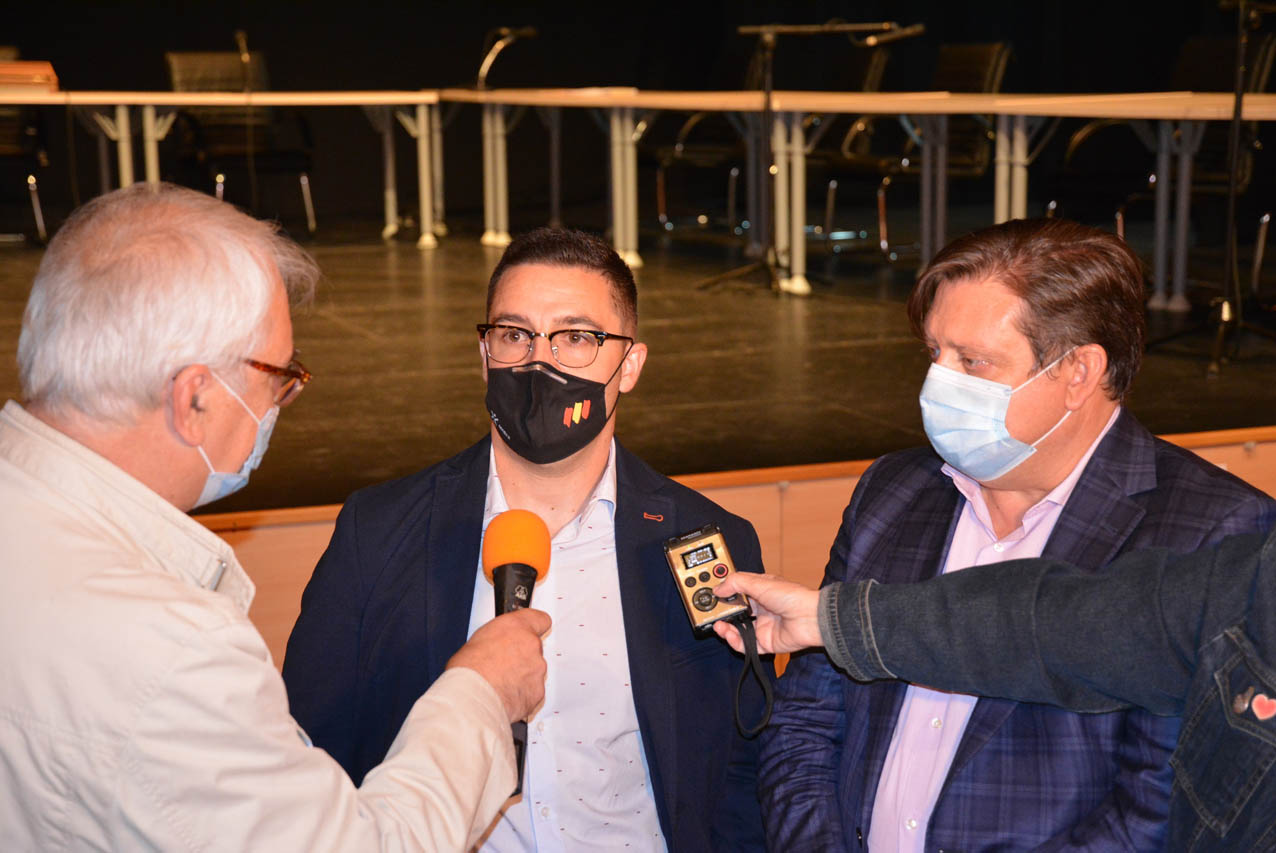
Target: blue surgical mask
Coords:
[(965, 420), (219, 483)]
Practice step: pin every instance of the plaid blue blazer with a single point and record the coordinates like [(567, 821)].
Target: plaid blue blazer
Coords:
[(1024, 775)]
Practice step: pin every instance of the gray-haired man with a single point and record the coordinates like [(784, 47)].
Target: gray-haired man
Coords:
[(140, 707)]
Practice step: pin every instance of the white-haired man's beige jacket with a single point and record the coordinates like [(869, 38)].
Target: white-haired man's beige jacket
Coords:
[(139, 708)]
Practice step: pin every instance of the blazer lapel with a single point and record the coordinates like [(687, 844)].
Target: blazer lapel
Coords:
[(913, 548), (451, 553), (644, 519), (1095, 523)]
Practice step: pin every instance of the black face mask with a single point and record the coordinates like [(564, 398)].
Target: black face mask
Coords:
[(543, 414)]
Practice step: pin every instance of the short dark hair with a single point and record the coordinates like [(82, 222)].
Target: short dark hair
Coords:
[(1080, 285), (565, 247)]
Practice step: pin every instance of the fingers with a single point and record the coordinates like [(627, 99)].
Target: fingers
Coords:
[(536, 621), (729, 633), (507, 653)]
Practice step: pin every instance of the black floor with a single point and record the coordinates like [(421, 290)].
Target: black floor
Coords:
[(738, 377)]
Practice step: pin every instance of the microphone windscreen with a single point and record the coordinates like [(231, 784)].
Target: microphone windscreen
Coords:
[(516, 536)]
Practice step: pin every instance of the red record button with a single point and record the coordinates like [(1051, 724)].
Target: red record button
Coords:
[(720, 570)]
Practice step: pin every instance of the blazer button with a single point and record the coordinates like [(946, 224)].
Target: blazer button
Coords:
[(859, 835)]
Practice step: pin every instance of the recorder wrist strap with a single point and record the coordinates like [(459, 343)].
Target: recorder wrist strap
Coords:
[(751, 662)]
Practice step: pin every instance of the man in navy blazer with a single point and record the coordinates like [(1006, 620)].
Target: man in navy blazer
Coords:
[(1036, 332), (636, 743)]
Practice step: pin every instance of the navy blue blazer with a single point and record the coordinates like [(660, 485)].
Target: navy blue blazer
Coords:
[(390, 601), (1024, 775)]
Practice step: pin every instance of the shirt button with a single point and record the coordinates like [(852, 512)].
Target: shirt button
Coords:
[(998, 547), (937, 723), (544, 811), (910, 823), (540, 727)]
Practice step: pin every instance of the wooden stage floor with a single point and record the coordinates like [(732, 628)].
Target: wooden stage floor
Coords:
[(738, 377)]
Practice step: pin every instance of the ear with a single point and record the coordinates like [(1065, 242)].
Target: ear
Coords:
[(1089, 364), (187, 414), (631, 367)]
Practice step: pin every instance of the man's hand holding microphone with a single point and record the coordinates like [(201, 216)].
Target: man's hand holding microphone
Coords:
[(507, 650)]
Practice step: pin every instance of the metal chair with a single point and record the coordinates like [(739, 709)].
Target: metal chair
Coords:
[(21, 131), (712, 139), (1097, 162), (863, 153), (212, 140)]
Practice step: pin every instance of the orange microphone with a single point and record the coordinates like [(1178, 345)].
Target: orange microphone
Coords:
[(515, 556)]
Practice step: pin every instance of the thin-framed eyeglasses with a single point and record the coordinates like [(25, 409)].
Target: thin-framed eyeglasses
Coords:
[(571, 347), (292, 378)]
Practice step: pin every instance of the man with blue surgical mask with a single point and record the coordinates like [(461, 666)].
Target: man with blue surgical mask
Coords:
[(141, 709), (1035, 331)]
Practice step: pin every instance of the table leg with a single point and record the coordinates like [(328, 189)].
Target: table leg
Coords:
[(1190, 133), (124, 145), (435, 118), (554, 119), (1019, 169), (616, 160), (797, 282), (629, 149), (501, 162), (939, 174), (489, 179), (150, 144), (1001, 172), (781, 201), (1161, 245), (424, 175), (389, 190), (927, 189)]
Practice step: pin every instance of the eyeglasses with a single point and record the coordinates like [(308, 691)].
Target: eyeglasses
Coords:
[(571, 347), (293, 378)]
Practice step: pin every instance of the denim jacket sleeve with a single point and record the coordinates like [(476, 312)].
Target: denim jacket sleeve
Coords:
[(1191, 635)]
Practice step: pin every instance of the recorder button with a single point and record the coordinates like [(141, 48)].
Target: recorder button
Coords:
[(689, 581), (704, 599), (720, 570), (704, 577)]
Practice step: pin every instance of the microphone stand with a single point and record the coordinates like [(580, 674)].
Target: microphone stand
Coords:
[(245, 60), (767, 34), (1231, 308)]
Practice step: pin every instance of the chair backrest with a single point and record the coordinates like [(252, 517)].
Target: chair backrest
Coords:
[(220, 71), (1208, 64), (970, 68)]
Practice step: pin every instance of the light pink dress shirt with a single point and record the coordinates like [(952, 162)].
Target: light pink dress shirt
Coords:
[(931, 722)]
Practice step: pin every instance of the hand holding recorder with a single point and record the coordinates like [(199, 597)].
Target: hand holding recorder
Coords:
[(785, 613)]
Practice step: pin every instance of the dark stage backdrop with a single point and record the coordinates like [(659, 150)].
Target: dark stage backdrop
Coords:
[(1060, 45)]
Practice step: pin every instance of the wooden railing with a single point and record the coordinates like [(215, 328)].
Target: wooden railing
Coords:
[(796, 510)]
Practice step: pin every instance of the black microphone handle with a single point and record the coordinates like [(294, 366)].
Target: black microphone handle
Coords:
[(514, 583)]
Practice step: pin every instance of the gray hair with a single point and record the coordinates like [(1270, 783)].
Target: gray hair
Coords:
[(142, 282)]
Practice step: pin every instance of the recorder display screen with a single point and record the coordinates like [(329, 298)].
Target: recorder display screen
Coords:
[(703, 554)]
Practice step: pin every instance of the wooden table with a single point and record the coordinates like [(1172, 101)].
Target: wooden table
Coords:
[(619, 103), (379, 105)]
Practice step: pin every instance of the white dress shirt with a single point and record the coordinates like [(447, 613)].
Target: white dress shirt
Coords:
[(140, 709), (586, 785)]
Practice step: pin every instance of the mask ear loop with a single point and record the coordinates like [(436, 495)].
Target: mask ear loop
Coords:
[(752, 662)]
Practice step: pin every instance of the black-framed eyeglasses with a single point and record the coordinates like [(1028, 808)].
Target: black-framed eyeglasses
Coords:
[(292, 378), (571, 347)]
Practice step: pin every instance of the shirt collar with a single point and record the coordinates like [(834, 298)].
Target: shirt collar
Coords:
[(973, 492), (179, 545), (602, 498)]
